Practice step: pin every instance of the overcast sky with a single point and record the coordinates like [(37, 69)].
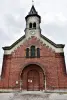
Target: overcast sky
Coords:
[(12, 21)]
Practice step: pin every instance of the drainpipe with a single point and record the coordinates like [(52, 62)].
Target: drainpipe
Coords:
[(45, 84), (20, 85)]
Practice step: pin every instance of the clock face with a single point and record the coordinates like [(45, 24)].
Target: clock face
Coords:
[(32, 32)]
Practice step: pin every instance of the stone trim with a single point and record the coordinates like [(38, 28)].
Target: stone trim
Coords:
[(36, 63), (14, 44), (52, 43), (56, 47)]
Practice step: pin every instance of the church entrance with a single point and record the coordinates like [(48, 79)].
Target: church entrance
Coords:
[(32, 78)]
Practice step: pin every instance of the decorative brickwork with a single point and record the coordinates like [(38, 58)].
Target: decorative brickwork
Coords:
[(52, 65)]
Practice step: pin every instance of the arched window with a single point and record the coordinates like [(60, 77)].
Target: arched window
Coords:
[(27, 53), (38, 52), (30, 25), (32, 51), (34, 25)]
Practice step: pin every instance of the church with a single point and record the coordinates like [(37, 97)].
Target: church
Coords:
[(33, 62)]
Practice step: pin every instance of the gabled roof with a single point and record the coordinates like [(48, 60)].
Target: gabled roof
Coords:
[(45, 38), (14, 44), (52, 43)]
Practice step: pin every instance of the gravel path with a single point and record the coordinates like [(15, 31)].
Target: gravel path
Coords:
[(32, 96)]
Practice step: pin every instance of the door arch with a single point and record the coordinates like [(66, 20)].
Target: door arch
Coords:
[(33, 80), (32, 77)]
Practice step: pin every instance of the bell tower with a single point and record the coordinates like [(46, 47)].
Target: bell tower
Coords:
[(33, 21)]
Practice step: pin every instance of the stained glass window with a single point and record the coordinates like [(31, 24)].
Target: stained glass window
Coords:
[(38, 52), (32, 51), (27, 53)]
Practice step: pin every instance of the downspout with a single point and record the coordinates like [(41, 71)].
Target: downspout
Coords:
[(45, 84)]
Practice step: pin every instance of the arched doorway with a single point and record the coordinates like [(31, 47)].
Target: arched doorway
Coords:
[(32, 78)]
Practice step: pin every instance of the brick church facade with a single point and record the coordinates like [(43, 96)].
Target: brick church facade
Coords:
[(33, 62)]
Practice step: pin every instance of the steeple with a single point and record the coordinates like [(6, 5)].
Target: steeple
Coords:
[(33, 21), (33, 12)]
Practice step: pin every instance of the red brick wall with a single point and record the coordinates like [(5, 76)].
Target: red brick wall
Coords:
[(53, 65)]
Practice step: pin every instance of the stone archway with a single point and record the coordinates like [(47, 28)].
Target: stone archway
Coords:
[(32, 78)]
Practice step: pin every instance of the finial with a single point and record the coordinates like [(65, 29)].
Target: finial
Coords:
[(32, 2)]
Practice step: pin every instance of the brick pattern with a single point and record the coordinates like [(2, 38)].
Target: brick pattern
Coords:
[(53, 65)]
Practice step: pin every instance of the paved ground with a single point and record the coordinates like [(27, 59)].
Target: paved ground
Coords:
[(32, 96)]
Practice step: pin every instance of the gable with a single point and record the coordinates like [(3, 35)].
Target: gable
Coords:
[(55, 47), (58, 48), (45, 51)]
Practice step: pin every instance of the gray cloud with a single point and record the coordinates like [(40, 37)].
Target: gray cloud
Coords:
[(59, 33)]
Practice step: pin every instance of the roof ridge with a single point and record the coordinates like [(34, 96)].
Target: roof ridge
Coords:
[(10, 47), (45, 38), (51, 42)]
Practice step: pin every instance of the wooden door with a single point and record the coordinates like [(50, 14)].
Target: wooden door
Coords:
[(33, 80)]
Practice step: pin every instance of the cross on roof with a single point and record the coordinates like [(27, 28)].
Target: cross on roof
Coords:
[(32, 2)]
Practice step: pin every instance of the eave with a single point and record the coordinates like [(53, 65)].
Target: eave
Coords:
[(14, 44), (52, 43), (42, 36)]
